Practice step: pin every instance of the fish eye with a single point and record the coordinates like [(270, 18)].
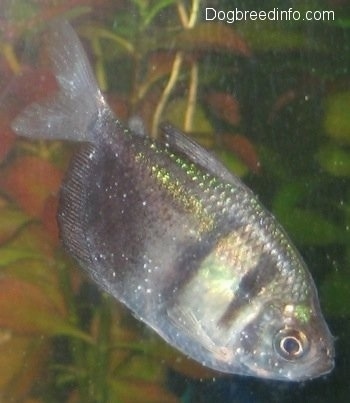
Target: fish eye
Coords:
[(291, 344)]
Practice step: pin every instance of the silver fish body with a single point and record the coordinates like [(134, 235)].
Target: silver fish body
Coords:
[(167, 230)]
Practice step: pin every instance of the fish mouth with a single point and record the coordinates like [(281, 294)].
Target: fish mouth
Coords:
[(326, 353), (321, 366), (327, 362)]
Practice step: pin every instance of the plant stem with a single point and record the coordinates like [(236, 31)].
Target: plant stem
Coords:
[(166, 93), (78, 347), (187, 22), (101, 367), (192, 98), (11, 58)]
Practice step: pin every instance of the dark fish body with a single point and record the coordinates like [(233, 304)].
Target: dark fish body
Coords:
[(166, 229)]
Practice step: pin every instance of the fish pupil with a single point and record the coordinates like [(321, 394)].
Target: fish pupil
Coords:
[(291, 344)]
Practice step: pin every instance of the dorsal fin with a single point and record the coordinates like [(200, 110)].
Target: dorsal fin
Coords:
[(197, 154)]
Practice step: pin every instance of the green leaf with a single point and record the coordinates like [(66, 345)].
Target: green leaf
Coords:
[(153, 11), (304, 225), (11, 220), (287, 198), (30, 243), (10, 254), (233, 163), (92, 32), (335, 292), (176, 111), (309, 228), (337, 116), (334, 160), (342, 22), (22, 9)]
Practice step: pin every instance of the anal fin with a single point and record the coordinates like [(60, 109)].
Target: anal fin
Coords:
[(71, 213)]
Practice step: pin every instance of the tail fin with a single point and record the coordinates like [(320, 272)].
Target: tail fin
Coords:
[(79, 100)]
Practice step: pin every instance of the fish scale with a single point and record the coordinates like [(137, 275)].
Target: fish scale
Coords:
[(167, 230)]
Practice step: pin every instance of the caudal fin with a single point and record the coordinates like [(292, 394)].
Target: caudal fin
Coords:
[(79, 101)]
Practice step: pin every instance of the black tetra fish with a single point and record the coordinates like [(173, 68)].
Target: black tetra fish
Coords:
[(166, 229)]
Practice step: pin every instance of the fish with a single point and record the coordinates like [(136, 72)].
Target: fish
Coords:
[(162, 226)]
